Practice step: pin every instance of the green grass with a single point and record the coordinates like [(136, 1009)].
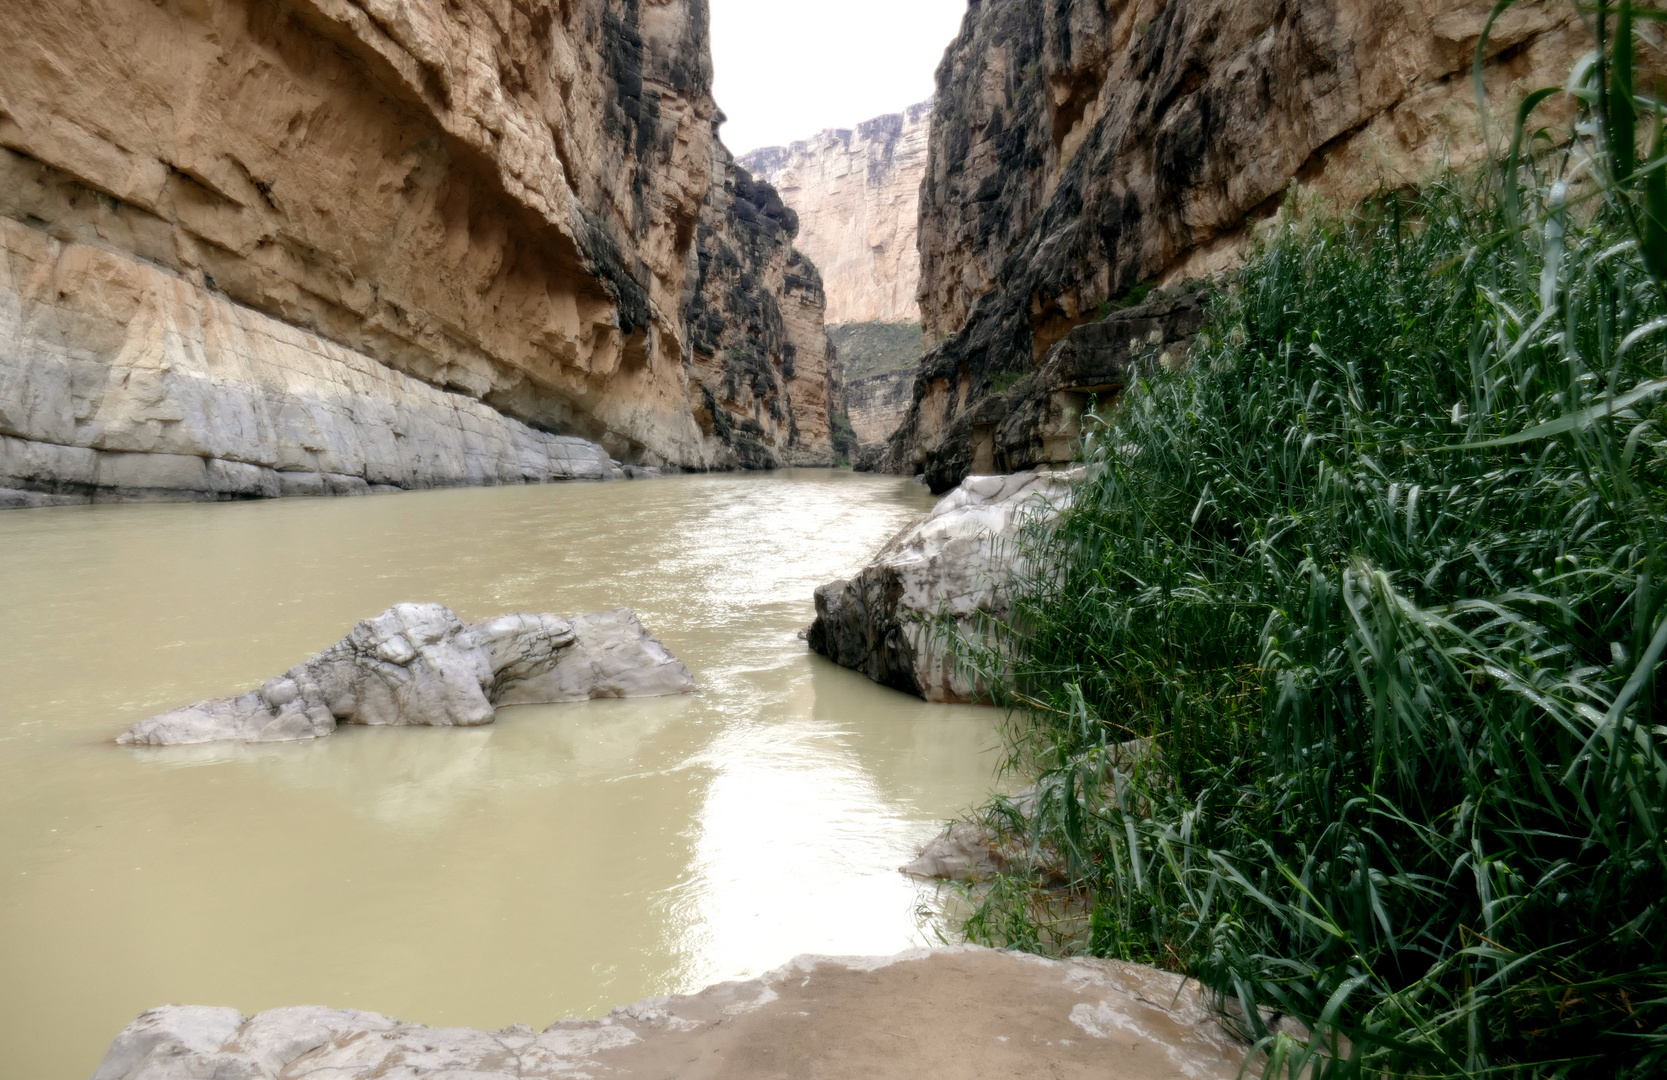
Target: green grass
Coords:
[(1005, 381), (875, 348), (1381, 576)]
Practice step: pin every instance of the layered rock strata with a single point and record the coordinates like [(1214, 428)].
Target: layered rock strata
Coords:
[(362, 242), (961, 1013), (857, 194), (876, 362), (876, 404), (120, 380), (762, 384), (947, 572), (1081, 148), (1021, 421), (419, 664)]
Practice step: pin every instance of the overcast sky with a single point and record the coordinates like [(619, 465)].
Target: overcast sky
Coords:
[(786, 69)]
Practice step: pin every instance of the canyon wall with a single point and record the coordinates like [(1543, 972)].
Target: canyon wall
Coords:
[(1083, 147), (762, 382), (256, 246), (857, 194), (876, 362), (876, 404)]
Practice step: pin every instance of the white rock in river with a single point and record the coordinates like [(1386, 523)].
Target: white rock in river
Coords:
[(419, 664), (954, 563)]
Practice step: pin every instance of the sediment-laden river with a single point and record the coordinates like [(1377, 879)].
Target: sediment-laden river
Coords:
[(564, 860)]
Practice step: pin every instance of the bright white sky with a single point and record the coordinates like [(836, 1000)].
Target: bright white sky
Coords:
[(786, 69)]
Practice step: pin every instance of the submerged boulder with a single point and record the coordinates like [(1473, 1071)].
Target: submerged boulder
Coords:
[(949, 568), (419, 664)]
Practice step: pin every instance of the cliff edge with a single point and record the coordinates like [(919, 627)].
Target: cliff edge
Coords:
[(1086, 149), (255, 247)]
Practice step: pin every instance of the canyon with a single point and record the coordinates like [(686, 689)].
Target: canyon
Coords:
[(259, 248), (857, 194), (876, 362), (326, 246), (1085, 151)]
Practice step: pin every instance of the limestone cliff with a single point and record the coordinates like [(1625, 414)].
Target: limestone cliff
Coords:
[(252, 246), (857, 196), (761, 383), (876, 363), (1084, 147)]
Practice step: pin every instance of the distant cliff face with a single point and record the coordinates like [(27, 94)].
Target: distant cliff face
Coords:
[(762, 385), (297, 236), (857, 197), (1079, 148), (876, 362)]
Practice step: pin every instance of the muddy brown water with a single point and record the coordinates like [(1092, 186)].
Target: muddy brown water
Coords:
[(561, 861)]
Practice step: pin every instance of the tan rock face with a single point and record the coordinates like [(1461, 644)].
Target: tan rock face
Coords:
[(119, 379), (1083, 147), (876, 362), (496, 198), (761, 385), (857, 194), (876, 404)]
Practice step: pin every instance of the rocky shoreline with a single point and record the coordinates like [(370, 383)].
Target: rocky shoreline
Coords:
[(947, 570), (957, 1013), (137, 385)]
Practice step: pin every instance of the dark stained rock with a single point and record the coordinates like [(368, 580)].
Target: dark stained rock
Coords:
[(1084, 149)]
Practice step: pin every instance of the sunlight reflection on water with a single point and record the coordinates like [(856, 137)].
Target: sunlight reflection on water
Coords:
[(562, 861)]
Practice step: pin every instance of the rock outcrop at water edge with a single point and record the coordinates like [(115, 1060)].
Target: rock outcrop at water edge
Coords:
[(951, 568), (960, 1013), (1083, 148), (251, 248), (419, 664), (980, 848)]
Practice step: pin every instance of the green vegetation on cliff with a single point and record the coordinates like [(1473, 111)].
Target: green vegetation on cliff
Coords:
[(1381, 577), (875, 348)]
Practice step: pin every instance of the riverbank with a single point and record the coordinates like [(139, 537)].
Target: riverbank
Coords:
[(556, 863), (960, 1013)]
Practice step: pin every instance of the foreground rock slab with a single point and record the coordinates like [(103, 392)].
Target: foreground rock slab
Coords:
[(950, 567), (961, 1013), (419, 664)]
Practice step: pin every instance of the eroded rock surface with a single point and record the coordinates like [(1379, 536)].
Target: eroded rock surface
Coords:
[(961, 1013), (876, 362), (950, 568), (857, 194), (761, 383), (419, 664), (876, 404), (261, 247), (1083, 147)]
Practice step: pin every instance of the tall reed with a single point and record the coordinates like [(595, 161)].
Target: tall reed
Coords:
[(1380, 574)]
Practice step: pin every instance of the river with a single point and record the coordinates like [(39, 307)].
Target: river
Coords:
[(566, 859)]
